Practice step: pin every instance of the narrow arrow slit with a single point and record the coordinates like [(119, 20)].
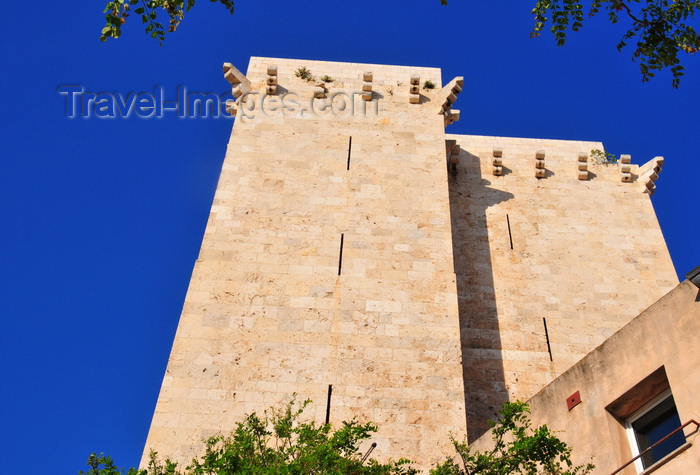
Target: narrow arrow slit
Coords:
[(340, 256)]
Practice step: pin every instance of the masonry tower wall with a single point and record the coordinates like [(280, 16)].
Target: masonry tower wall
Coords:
[(269, 313), (435, 314), (547, 268)]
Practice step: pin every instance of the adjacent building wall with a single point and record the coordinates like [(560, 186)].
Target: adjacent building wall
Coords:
[(665, 335)]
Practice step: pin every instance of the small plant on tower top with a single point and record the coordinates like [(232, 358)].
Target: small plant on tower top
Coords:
[(304, 73), (601, 157)]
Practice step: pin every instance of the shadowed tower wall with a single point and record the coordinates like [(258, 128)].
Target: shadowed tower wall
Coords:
[(547, 268), (269, 313)]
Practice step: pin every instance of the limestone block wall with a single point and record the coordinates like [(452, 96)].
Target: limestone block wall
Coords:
[(547, 268), (273, 308)]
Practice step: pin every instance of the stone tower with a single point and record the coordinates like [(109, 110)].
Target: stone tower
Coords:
[(426, 277)]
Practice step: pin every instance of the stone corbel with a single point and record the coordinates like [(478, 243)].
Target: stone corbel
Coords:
[(540, 170), (414, 90), (367, 85), (649, 173), (583, 166), (497, 163), (239, 82), (447, 96), (271, 81), (626, 168), (452, 150)]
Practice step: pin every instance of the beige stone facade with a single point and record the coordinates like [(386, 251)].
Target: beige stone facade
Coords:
[(655, 352), (347, 247), (552, 264)]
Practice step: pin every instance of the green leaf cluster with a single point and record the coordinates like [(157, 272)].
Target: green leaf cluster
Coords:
[(602, 157), (104, 465), (304, 73), (517, 448), (278, 443), (661, 29), (117, 11)]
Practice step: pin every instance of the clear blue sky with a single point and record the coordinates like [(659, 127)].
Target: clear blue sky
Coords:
[(101, 220)]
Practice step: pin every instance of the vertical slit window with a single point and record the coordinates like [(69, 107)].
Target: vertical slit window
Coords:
[(510, 235), (546, 335), (340, 255)]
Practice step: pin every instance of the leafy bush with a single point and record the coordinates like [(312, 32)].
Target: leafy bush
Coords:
[(279, 443), (517, 449), (276, 443), (603, 158)]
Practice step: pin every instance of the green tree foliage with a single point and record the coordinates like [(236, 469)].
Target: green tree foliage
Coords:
[(274, 444), (518, 448), (104, 465), (280, 443), (601, 157), (660, 29), (117, 11)]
